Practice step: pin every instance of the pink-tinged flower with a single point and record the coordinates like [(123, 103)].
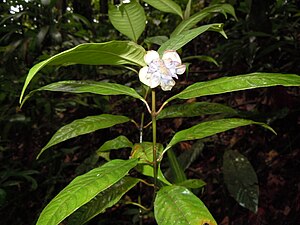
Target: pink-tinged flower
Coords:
[(161, 71)]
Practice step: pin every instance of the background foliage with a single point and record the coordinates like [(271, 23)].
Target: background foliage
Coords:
[(265, 38)]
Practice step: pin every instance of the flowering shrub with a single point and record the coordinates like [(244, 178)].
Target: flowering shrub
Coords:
[(91, 193)]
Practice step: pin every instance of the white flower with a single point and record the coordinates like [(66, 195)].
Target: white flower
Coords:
[(161, 71)]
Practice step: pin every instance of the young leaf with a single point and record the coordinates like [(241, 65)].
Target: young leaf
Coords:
[(100, 88), (237, 83), (158, 40), (178, 41), (186, 158), (108, 53), (143, 152), (177, 171), (177, 205), (209, 128), (243, 186), (117, 143), (84, 126), (204, 58), (168, 6), (187, 11), (189, 23), (192, 183), (83, 189), (128, 18), (102, 201), (195, 109)]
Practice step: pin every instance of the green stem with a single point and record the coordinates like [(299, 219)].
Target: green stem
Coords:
[(153, 115)]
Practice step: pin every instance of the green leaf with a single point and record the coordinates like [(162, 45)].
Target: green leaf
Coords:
[(117, 143), (144, 152), (209, 128), (186, 158), (198, 17), (177, 170), (187, 11), (108, 53), (128, 18), (178, 41), (177, 205), (195, 109), (100, 88), (204, 58), (83, 189), (102, 201), (84, 126), (243, 186), (192, 183), (168, 6), (158, 40), (237, 83)]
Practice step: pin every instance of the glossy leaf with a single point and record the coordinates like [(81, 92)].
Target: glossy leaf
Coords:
[(116, 143), (144, 152), (187, 11), (108, 53), (204, 58), (84, 126), (83, 189), (168, 6), (237, 83), (209, 128), (102, 201), (100, 88), (158, 40), (203, 14), (195, 109), (177, 205), (242, 185), (186, 158), (177, 170), (178, 41), (192, 183), (128, 18)]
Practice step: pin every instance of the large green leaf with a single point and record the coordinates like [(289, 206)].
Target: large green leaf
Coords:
[(198, 17), (177, 205), (116, 143), (195, 109), (178, 41), (168, 6), (243, 186), (128, 18), (101, 88), (144, 152), (209, 128), (237, 83), (102, 201), (84, 126), (83, 189), (108, 53)]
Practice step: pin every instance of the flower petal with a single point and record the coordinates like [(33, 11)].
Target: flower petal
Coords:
[(171, 55), (150, 79), (167, 86), (180, 69), (150, 56)]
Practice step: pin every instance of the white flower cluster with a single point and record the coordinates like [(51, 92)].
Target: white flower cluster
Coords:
[(161, 71)]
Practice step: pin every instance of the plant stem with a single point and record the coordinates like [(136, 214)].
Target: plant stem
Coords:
[(153, 115), (140, 184)]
